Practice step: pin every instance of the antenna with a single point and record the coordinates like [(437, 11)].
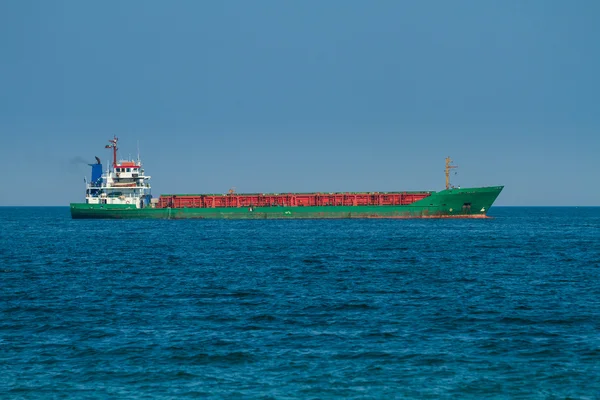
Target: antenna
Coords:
[(138, 149), (448, 168)]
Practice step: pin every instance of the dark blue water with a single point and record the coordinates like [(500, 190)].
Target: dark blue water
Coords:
[(501, 308)]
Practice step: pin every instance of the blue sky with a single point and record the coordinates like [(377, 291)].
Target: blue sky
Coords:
[(276, 96)]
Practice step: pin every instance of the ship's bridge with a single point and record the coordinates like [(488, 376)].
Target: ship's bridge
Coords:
[(127, 169)]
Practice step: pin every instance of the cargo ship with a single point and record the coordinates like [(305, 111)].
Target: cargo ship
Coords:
[(123, 191)]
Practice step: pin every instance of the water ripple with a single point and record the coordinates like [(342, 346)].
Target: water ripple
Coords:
[(502, 308)]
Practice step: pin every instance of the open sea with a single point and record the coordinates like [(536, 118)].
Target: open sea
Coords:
[(505, 308)]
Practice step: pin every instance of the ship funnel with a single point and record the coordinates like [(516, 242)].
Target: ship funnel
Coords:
[(96, 172)]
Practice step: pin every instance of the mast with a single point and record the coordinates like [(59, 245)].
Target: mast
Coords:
[(113, 145), (448, 168)]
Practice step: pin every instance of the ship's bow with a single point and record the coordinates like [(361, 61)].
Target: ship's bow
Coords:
[(462, 203)]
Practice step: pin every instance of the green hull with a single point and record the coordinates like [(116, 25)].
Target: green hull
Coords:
[(451, 203)]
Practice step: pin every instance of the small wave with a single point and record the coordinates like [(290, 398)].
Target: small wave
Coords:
[(354, 306), (235, 357), (242, 294), (362, 355), (263, 318), (184, 374), (312, 260), (383, 335), (398, 271), (517, 320), (252, 328)]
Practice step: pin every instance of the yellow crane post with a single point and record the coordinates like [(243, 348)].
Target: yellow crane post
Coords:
[(448, 168)]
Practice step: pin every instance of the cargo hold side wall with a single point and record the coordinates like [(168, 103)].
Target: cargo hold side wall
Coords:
[(290, 200)]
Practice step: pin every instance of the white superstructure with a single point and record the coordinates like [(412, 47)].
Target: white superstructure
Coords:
[(125, 183)]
